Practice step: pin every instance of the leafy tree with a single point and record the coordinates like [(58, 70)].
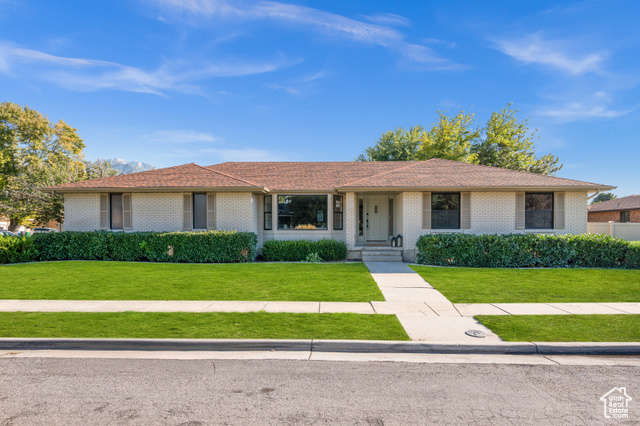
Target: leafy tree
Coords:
[(603, 196), (509, 143), (450, 138), (504, 142), (35, 153), (395, 145)]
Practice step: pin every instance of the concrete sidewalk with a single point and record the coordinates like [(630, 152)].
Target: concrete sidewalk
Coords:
[(473, 309), (429, 309), (423, 311), (181, 306)]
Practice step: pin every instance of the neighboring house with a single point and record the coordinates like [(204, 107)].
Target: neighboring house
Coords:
[(625, 209), (361, 203)]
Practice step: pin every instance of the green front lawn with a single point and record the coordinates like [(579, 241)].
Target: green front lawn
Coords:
[(217, 325), (83, 280), (564, 328), (490, 285)]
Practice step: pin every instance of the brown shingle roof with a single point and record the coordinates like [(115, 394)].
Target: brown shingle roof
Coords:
[(329, 176), (185, 176), (439, 173), (631, 202), (306, 176)]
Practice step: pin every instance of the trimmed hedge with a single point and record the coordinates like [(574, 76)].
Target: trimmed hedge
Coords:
[(633, 257), (299, 250), (17, 249), (192, 247), (527, 250)]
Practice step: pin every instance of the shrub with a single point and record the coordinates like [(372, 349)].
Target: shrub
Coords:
[(525, 250), (194, 247), (633, 257), (17, 249), (299, 250)]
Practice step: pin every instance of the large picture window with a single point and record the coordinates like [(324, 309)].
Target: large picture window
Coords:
[(538, 210), (338, 206), (268, 209), (199, 211), (445, 210), (302, 212), (116, 219)]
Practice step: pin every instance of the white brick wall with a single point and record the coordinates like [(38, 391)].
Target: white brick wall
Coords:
[(156, 212), (81, 212), (575, 218), (350, 219), (236, 211)]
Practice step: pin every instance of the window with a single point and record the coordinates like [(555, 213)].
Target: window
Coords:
[(302, 211), (337, 212), (445, 210), (538, 210), (116, 219), (199, 211), (624, 216), (268, 215)]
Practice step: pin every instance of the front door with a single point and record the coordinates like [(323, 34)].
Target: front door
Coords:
[(377, 218)]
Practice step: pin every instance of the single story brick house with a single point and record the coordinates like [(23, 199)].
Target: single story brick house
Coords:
[(362, 203), (625, 209)]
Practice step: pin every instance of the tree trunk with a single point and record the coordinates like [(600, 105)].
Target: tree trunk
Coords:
[(14, 224)]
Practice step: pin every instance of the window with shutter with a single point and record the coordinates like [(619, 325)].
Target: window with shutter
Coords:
[(126, 212), (211, 211), (186, 213), (115, 202), (426, 210)]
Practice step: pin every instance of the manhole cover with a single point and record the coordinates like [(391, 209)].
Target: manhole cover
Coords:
[(475, 333)]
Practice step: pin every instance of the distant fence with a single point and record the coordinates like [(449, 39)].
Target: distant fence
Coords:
[(625, 231)]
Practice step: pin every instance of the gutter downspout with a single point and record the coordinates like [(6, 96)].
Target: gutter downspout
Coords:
[(596, 193)]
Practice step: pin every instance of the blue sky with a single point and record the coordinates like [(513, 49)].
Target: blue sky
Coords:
[(170, 82)]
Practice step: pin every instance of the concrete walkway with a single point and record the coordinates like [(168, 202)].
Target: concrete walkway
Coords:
[(423, 311)]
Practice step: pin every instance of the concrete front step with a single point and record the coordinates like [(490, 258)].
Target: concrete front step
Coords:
[(381, 256)]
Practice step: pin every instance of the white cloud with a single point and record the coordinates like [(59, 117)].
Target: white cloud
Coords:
[(312, 19), (534, 49), (91, 75), (576, 111), (181, 136), (388, 19)]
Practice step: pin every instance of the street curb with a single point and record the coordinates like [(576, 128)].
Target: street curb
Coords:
[(343, 346)]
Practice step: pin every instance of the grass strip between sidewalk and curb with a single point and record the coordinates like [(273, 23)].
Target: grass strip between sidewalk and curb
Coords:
[(214, 325), (567, 285), (96, 280), (564, 328)]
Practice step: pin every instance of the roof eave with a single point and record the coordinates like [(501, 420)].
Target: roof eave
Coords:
[(475, 188), (156, 189)]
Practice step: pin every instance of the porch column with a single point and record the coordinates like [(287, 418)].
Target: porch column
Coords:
[(411, 223), (350, 222)]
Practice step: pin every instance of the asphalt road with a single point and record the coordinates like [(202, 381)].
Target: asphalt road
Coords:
[(193, 392)]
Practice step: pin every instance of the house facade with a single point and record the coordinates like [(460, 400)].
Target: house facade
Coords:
[(362, 203), (623, 210)]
